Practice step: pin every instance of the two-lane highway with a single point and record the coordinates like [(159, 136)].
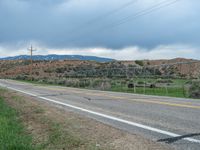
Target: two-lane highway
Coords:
[(174, 121)]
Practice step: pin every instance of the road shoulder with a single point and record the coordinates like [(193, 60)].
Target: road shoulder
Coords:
[(56, 128)]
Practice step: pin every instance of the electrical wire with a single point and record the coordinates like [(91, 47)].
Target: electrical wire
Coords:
[(141, 13), (144, 12), (103, 16)]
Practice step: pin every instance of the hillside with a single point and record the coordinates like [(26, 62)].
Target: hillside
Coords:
[(78, 68), (155, 77)]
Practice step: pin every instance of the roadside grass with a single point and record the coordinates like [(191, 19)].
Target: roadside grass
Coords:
[(170, 91), (62, 138), (25, 125), (12, 133), (34, 82), (175, 89)]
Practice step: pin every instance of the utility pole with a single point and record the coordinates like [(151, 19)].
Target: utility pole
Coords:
[(31, 60), (144, 80)]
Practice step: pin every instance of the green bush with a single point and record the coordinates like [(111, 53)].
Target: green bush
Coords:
[(60, 70), (140, 82), (164, 81), (194, 89), (139, 62), (22, 77)]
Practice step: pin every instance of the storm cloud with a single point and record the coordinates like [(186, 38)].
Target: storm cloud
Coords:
[(86, 24)]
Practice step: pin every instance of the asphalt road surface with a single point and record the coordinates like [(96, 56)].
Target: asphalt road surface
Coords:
[(174, 121)]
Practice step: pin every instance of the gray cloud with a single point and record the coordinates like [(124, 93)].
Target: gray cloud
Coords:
[(64, 23)]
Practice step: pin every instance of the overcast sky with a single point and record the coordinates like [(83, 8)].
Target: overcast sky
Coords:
[(120, 29)]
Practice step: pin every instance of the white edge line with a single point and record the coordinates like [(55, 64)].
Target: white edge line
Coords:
[(109, 117)]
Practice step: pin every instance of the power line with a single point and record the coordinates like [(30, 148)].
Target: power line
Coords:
[(141, 13), (112, 12), (103, 16)]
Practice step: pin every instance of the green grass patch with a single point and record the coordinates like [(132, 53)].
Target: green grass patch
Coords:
[(174, 89), (55, 134), (59, 137), (170, 91), (12, 133)]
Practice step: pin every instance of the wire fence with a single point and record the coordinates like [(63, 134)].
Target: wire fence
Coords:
[(174, 79)]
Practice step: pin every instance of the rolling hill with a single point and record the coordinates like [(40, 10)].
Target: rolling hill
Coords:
[(59, 57)]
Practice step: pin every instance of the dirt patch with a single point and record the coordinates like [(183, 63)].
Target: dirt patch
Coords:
[(56, 128)]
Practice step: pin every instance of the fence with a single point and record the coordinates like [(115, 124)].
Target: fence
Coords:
[(173, 79)]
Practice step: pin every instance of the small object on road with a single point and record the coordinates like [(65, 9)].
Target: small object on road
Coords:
[(89, 99)]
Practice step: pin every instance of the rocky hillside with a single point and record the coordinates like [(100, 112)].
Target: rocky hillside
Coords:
[(118, 69)]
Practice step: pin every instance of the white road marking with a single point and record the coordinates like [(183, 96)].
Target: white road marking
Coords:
[(107, 116)]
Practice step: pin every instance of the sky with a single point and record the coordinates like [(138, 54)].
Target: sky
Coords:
[(119, 29)]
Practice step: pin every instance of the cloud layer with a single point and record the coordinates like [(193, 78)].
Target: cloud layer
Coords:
[(82, 25), (129, 53)]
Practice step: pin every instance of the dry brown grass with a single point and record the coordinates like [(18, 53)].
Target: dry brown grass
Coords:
[(56, 128)]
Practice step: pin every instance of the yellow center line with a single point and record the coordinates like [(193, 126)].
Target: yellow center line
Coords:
[(150, 101), (167, 103), (135, 100), (158, 102)]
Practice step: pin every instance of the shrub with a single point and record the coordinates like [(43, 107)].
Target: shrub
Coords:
[(140, 82), (131, 85), (139, 62), (60, 70), (105, 85), (22, 77), (60, 82), (164, 81), (194, 89), (152, 86), (50, 81)]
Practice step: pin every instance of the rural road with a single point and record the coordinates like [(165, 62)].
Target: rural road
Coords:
[(173, 121)]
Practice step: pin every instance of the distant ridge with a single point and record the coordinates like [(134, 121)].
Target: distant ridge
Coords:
[(59, 57)]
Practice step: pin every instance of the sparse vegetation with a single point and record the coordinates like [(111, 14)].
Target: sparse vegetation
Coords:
[(27, 124), (12, 133), (139, 62), (106, 76)]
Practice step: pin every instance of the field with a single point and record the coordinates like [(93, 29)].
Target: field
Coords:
[(174, 89)]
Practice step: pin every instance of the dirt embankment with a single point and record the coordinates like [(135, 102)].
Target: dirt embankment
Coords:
[(56, 128)]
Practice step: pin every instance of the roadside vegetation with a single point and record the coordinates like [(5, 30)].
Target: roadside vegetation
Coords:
[(183, 88), (26, 126), (120, 76), (194, 89), (30, 124), (13, 135)]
